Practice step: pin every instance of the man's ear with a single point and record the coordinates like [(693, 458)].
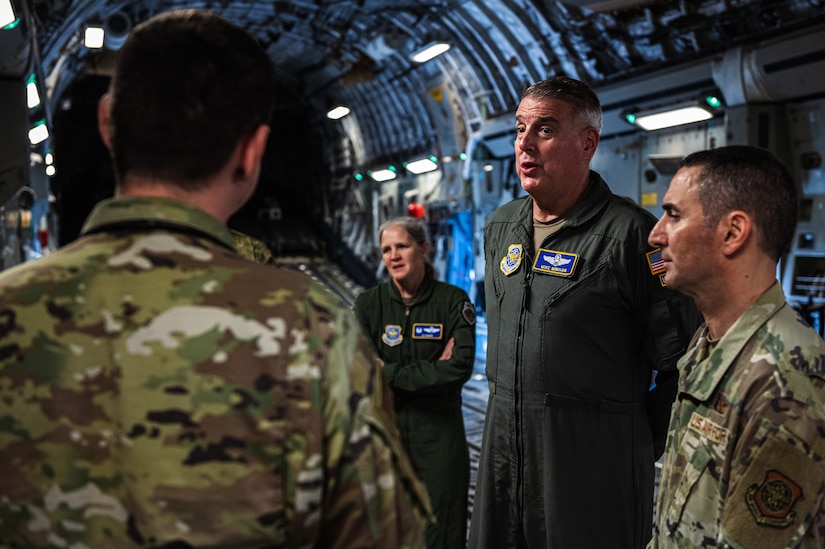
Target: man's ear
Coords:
[(736, 228), (104, 120), (590, 141), (253, 149)]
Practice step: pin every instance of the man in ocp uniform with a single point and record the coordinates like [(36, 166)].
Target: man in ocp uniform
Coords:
[(743, 465), (158, 389)]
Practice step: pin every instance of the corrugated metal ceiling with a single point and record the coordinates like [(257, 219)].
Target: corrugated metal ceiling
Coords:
[(358, 51)]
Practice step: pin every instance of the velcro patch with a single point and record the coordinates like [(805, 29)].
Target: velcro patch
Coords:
[(392, 335), (468, 313), (656, 263), (510, 263), (775, 496), (771, 502), (555, 263), (708, 429), (427, 331)]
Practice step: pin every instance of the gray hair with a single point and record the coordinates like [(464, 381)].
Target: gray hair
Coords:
[(414, 227), (586, 107), (417, 230)]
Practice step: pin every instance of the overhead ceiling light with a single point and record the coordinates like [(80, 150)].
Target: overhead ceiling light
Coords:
[(429, 51), (93, 39), (338, 112), (32, 95), (423, 165), (676, 115), (7, 16), (38, 133), (383, 175)]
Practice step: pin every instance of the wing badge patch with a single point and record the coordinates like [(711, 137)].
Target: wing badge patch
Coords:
[(555, 263), (427, 331)]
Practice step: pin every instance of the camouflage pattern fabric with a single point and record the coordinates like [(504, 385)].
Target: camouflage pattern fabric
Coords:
[(744, 465), (157, 389), (252, 248)]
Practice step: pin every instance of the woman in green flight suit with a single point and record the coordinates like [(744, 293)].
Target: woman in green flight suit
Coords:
[(424, 332)]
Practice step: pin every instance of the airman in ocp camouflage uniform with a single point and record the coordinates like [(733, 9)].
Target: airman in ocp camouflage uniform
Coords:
[(156, 386), (158, 389), (744, 460), (744, 464)]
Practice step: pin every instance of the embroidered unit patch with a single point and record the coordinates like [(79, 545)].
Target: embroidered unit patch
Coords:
[(468, 313), (655, 262), (771, 502), (427, 331), (510, 263), (555, 263), (392, 335)]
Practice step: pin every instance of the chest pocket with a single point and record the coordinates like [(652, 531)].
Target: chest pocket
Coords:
[(595, 281)]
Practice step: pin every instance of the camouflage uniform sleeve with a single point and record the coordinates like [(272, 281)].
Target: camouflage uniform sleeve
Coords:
[(372, 496), (777, 492)]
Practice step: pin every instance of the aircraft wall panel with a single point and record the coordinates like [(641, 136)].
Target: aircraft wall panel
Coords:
[(803, 277)]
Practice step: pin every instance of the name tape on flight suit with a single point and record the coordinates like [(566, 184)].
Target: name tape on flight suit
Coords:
[(555, 263), (427, 331)]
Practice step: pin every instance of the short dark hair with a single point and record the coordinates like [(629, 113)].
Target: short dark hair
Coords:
[(580, 96), (751, 179), (188, 86)]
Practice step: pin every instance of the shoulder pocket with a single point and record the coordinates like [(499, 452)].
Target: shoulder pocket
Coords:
[(777, 496)]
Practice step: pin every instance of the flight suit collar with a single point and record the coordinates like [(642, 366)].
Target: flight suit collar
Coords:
[(700, 374), (588, 205), (424, 291), (148, 212)]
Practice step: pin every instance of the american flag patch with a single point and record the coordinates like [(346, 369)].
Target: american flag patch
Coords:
[(654, 261)]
